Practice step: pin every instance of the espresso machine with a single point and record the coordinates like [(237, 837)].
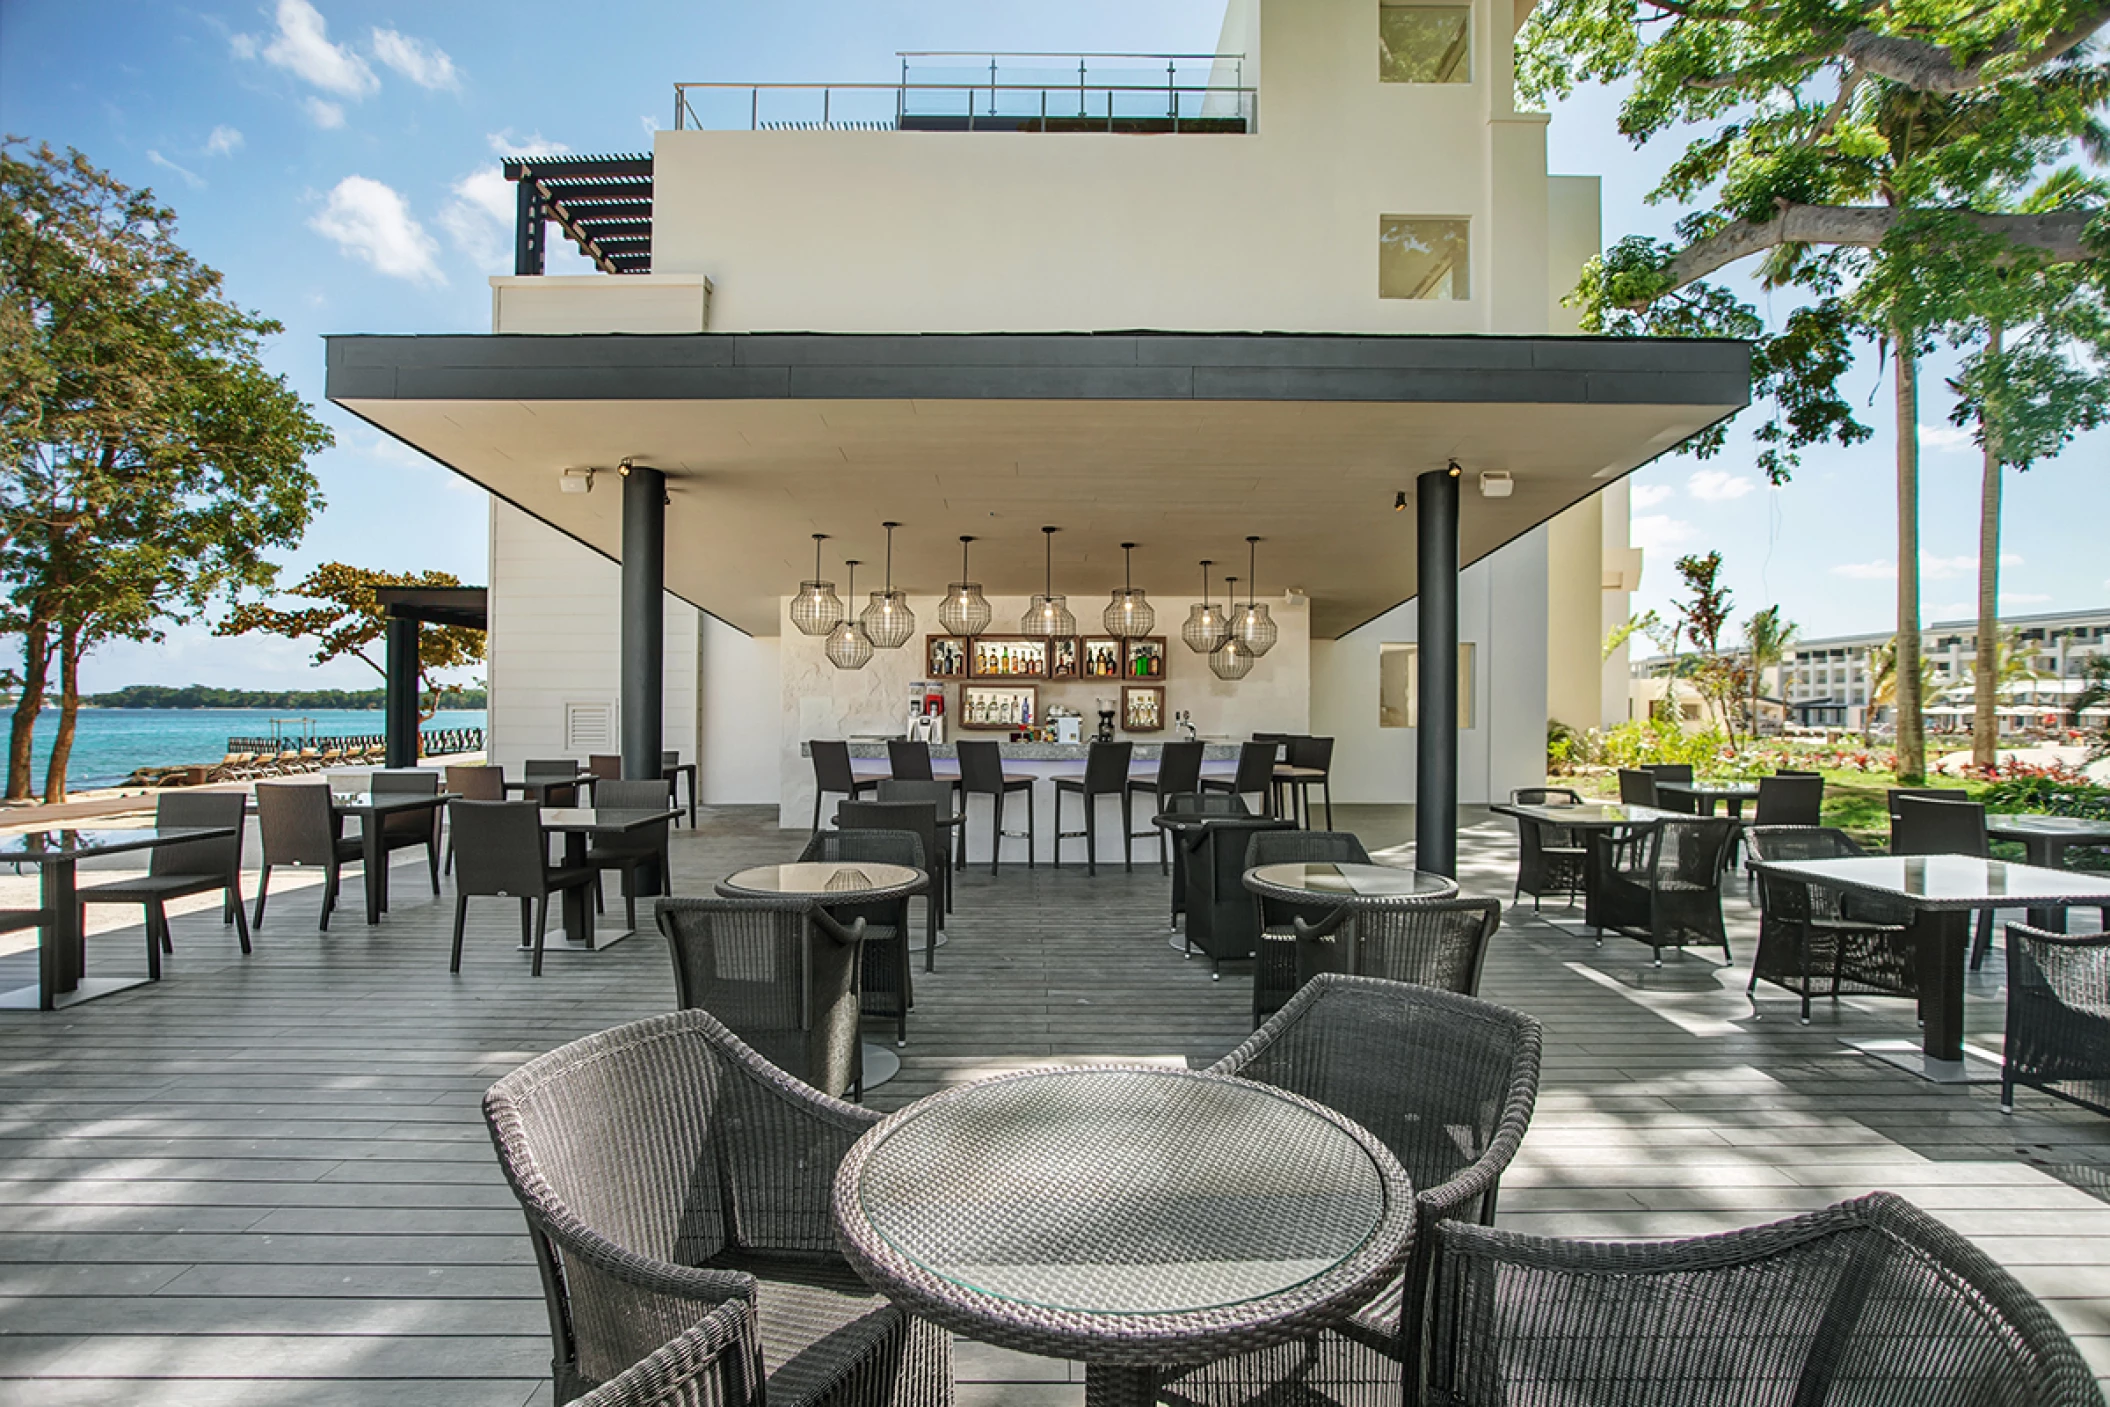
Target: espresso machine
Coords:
[(926, 712), (1106, 722)]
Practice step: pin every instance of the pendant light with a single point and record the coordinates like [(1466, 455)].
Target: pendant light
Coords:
[(816, 610), (1231, 659), (1129, 614), (965, 610), (1049, 617), (888, 622), (1253, 627), (847, 646), (1206, 627)]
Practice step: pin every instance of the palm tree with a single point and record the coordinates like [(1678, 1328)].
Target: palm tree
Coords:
[(1883, 687), (1766, 641)]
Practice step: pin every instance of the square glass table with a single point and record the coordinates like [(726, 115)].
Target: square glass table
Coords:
[(1600, 823), (1706, 794), (2045, 841), (61, 979), (575, 824)]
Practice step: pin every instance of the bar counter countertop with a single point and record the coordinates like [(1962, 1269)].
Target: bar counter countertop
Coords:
[(1213, 750)]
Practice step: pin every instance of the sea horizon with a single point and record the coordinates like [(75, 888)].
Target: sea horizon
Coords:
[(109, 744)]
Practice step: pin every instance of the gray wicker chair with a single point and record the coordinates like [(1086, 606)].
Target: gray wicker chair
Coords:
[(2058, 1032), (1221, 919), (942, 796), (501, 852), (1816, 940), (1438, 943), (885, 983), (1664, 887), (1924, 822), (667, 1170), (298, 828), (1871, 1303), (711, 1365), (415, 828), (1198, 805), (195, 867), (782, 976), (1672, 772), (1550, 859), (1447, 1083), (1275, 960), (1636, 787), (632, 854), (919, 819)]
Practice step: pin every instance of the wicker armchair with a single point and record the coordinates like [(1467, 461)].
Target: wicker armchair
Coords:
[(1447, 1083), (1196, 805), (1871, 1303), (1816, 940), (782, 976), (1550, 859), (2058, 1017), (702, 1368), (1221, 921), (1664, 887), (666, 1170), (884, 981), (1431, 943), (1275, 960)]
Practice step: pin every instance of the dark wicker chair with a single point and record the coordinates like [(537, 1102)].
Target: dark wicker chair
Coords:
[(1816, 940), (471, 782), (1179, 773), (1105, 774), (1221, 919), (1871, 1303), (1197, 804), (1438, 943), (884, 983), (782, 976), (2058, 1017), (297, 827), (1636, 787), (1550, 859), (1934, 822), (666, 1171), (500, 852), (1275, 960), (1447, 1083), (941, 795), (832, 773), (176, 871), (914, 818), (1673, 772), (982, 774), (632, 854), (1664, 886), (1786, 800), (711, 1365), (1255, 775), (416, 828)]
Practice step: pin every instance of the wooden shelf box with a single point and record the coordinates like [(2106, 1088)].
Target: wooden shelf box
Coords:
[(1007, 657), (999, 708), (944, 657), (1143, 708)]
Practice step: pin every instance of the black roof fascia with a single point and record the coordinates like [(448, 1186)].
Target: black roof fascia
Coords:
[(467, 606)]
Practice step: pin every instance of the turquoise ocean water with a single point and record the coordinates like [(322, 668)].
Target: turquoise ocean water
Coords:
[(109, 743)]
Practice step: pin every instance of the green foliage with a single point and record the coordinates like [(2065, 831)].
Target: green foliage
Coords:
[(2048, 796), (1660, 740), (205, 696)]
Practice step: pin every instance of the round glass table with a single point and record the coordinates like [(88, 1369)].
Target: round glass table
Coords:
[(1138, 1218), (1345, 884), (835, 882)]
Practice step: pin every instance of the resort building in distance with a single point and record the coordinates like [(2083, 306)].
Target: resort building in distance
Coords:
[(820, 309)]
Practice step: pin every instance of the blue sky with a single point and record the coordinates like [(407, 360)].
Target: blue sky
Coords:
[(338, 161)]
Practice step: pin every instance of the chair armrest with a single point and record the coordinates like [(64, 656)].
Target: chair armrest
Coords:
[(844, 937), (715, 1362), (1325, 927)]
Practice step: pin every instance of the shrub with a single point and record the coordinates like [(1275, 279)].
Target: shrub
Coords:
[(2069, 795)]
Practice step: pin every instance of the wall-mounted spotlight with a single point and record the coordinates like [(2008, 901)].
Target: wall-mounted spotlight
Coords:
[(1496, 483), (1455, 470), (1399, 501), (577, 480)]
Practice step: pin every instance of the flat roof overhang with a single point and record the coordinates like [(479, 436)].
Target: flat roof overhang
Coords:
[(1183, 443)]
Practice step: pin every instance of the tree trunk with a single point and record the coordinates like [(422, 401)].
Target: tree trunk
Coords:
[(36, 663), (1905, 688), (69, 714), (1985, 665)]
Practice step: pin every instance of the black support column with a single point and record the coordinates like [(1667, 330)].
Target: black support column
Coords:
[(400, 703), (644, 619), (1436, 700)]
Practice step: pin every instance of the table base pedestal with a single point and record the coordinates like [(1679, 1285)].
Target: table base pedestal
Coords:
[(880, 1065), (30, 998), (1978, 1066), (558, 941)]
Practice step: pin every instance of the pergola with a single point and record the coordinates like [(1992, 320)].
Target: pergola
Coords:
[(408, 608)]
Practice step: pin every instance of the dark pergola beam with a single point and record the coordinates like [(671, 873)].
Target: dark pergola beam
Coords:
[(579, 167)]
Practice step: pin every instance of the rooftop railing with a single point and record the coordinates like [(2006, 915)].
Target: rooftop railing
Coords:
[(959, 91)]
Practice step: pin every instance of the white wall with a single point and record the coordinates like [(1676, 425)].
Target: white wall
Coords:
[(1502, 610), (743, 716)]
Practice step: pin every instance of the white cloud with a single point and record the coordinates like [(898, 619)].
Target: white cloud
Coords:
[(167, 165), (1659, 532), (1719, 485), (224, 141), (650, 124), (1867, 571), (506, 143), (426, 65), (369, 221), (324, 114), (302, 47), (1652, 495), (1946, 439), (2023, 598), (1931, 569), (480, 216)]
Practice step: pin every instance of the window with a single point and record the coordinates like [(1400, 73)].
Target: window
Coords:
[(1424, 43), (1399, 686), (1419, 257)]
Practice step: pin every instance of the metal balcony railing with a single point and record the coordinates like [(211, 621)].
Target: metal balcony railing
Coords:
[(961, 91)]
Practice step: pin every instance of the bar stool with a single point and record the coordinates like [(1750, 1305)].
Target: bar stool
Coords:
[(982, 774), (1256, 774), (1310, 765), (1105, 774), (1179, 774), (832, 773)]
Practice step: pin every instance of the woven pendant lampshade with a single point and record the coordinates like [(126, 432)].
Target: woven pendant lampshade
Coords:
[(1049, 617), (1231, 660), (847, 646), (1253, 627), (1206, 627), (887, 621), (965, 610), (816, 610), (1129, 614)]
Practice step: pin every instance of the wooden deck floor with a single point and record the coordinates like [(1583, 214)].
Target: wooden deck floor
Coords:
[(267, 1179)]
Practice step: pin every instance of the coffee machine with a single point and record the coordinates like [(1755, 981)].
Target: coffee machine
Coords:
[(1106, 722), (926, 711)]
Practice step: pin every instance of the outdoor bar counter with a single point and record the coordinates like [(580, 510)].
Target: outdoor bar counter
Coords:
[(1213, 750)]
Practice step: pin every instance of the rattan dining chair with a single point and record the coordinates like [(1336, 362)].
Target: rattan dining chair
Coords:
[(1447, 1083), (711, 1365), (297, 828), (545, 769), (2058, 1017), (1664, 887), (192, 867), (1673, 772), (1179, 772), (1309, 764), (918, 819), (780, 973), (1935, 823), (1550, 858), (667, 1171), (1275, 960), (833, 774), (608, 766), (1816, 939), (1197, 805), (1440, 943), (414, 828), (1636, 787), (885, 983), (632, 853), (1870, 1303), (500, 852)]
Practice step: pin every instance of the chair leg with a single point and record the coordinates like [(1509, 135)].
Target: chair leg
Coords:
[(329, 897), (1128, 826), (996, 830), (449, 866), (461, 915), (432, 862), (541, 925), (817, 812), (527, 923), (241, 919), (1058, 828), (153, 940), (600, 896), (1983, 942), (1033, 838), (168, 944), (263, 883), (1091, 835), (630, 898), (1326, 794)]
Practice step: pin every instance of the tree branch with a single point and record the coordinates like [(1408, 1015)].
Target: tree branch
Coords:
[(1932, 68), (2055, 233)]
